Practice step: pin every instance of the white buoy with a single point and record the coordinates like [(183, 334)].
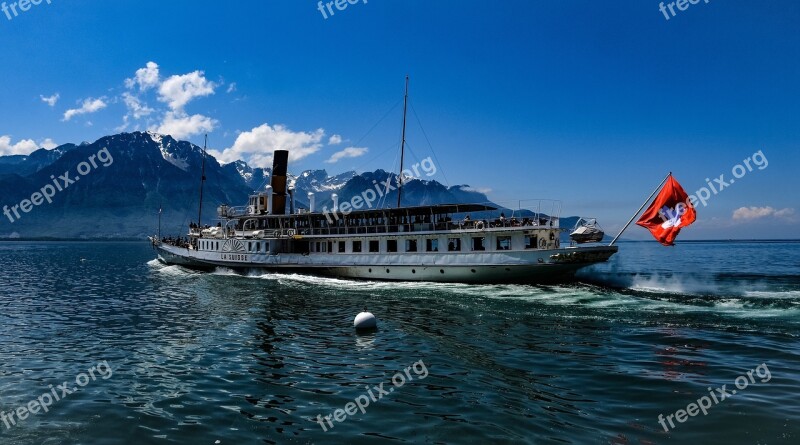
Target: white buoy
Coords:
[(365, 320)]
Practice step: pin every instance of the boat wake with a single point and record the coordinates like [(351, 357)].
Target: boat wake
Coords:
[(608, 295)]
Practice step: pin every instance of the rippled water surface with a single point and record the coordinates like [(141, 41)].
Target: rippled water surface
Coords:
[(222, 358)]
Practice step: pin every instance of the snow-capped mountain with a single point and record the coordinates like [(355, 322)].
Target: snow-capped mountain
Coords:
[(319, 183), (152, 171)]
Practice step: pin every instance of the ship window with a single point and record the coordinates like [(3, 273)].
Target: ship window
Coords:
[(454, 244), (330, 246), (391, 245), (250, 246), (503, 243), (356, 246), (531, 241), (479, 243), (432, 245), (341, 247), (374, 245), (411, 245)]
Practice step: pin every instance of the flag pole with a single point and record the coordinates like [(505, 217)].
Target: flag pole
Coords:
[(640, 209)]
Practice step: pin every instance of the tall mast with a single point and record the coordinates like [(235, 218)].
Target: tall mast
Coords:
[(160, 207), (402, 146), (202, 180)]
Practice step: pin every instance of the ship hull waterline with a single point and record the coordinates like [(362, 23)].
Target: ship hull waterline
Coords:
[(528, 267)]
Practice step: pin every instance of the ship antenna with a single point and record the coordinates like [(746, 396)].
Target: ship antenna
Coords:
[(202, 180), (402, 146)]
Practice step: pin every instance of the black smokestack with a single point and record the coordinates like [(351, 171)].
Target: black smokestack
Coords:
[(278, 181)]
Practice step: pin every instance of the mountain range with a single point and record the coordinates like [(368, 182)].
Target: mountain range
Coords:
[(148, 172)]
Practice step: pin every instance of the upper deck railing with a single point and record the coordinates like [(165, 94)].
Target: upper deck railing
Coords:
[(529, 214)]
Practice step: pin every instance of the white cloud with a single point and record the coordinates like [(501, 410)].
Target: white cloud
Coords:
[(180, 126), (50, 100), (257, 145), (124, 125), (335, 140), (231, 87), (349, 152), (146, 77), (484, 190), (89, 106), (751, 213), (135, 106), (23, 147), (48, 144), (177, 91)]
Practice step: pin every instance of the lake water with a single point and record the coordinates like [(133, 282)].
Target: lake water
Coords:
[(164, 355)]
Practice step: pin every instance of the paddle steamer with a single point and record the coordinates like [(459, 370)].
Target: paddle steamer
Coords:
[(418, 243), (442, 242)]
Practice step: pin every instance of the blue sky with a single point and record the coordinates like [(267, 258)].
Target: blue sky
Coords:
[(588, 102)]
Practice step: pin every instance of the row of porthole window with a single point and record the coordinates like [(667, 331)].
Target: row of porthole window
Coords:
[(440, 270), (431, 245), (252, 246)]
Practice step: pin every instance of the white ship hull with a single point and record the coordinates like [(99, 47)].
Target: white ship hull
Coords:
[(534, 266)]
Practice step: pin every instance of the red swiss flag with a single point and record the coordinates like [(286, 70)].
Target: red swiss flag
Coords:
[(669, 213)]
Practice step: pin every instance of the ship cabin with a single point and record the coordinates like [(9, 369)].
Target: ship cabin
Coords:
[(434, 228), (265, 227)]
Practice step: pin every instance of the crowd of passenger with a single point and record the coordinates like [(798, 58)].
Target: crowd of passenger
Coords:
[(445, 223), (179, 241), (502, 221)]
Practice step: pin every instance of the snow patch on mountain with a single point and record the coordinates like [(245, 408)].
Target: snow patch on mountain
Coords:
[(169, 156)]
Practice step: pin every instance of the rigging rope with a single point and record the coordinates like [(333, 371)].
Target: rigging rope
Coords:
[(441, 169)]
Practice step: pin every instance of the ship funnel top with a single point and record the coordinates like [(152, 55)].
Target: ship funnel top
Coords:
[(280, 163)]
